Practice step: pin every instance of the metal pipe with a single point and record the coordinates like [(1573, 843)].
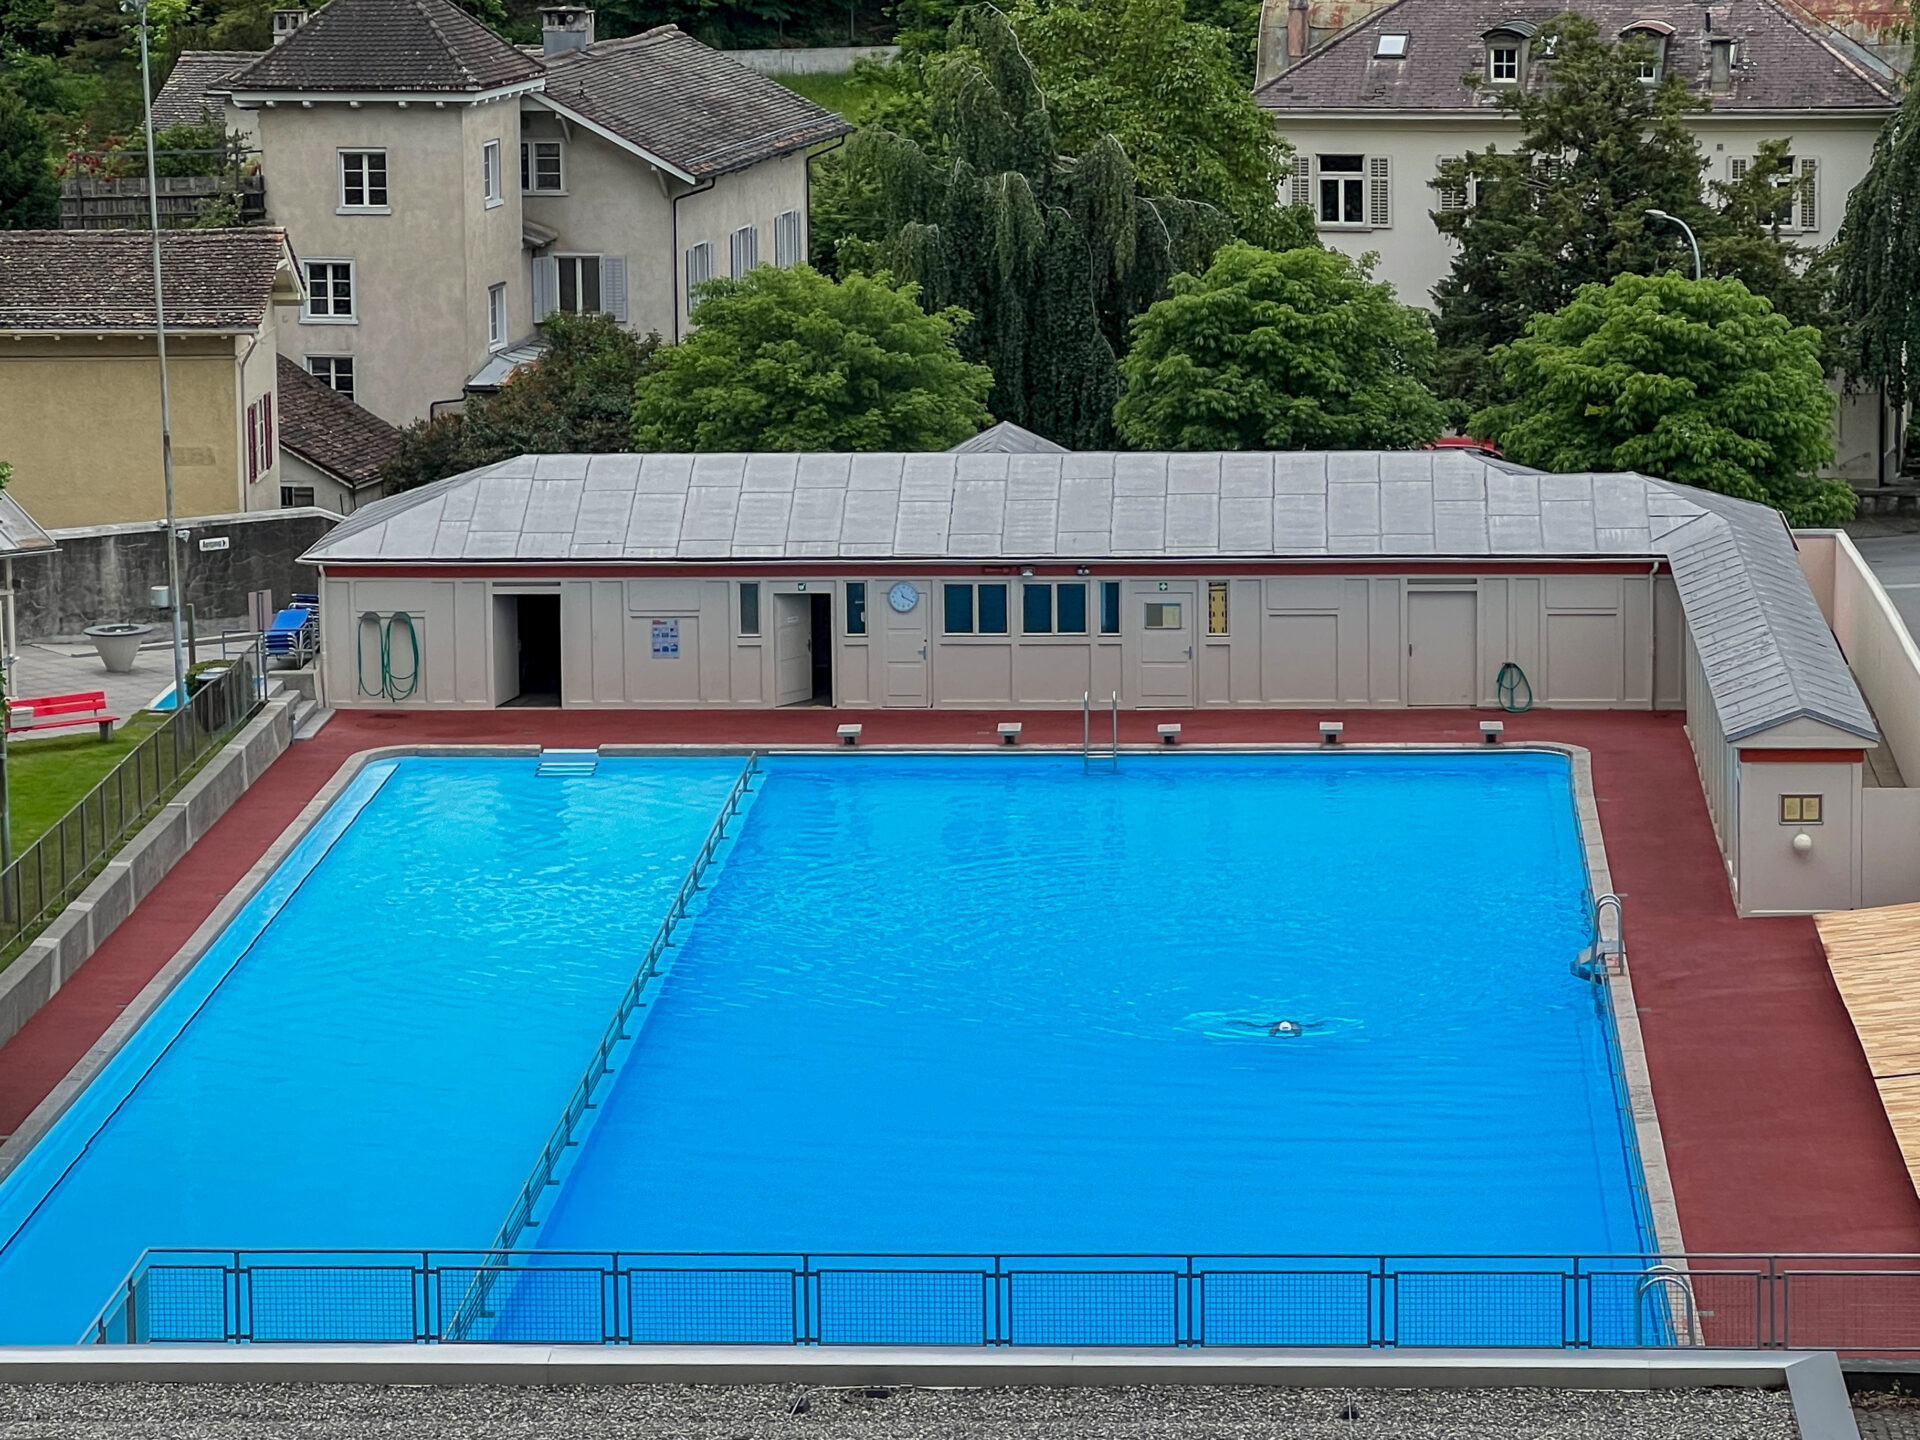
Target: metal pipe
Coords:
[(139, 7)]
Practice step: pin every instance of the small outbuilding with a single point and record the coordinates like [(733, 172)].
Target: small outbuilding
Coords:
[(1038, 579)]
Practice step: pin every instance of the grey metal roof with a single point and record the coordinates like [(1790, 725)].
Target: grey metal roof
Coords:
[(1007, 438), (20, 533), (1768, 656)]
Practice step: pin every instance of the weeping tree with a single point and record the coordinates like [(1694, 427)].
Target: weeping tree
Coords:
[(1052, 255), (1878, 282)]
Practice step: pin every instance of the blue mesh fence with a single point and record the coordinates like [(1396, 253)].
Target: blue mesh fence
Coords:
[(1866, 1303)]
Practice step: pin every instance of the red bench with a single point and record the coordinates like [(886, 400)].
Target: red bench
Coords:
[(51, 712)]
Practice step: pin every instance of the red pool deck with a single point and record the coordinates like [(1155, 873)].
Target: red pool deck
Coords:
[(1775, 1136)]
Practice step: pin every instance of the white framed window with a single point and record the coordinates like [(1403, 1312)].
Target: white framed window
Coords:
[(1458, 197), (1390, 47), (294, 496), (578, 289), (789, 238), (699, 270), (744, 249), (1503, 61), (363, 182), (490, 182), (1798, 189), (330, 295), (333, 371), (580, 285), (496, 317), (1351, 192), (542, 170)]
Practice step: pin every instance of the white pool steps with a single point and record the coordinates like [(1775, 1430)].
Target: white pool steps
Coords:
[(565, 764)]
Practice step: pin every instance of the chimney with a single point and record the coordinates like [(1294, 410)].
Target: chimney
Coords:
[(1296, 30), (285, 22), (564, 28)]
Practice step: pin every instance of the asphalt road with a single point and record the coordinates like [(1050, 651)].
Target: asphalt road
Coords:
[(1896, 561)]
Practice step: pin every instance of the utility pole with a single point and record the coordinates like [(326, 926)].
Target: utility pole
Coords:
[(1663, 215), (139, 7)]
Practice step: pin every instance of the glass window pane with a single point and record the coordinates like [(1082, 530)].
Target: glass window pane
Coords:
[(1216, 607), (993, 609), (959, 609), (750, 607), (1072, 608), (1036, 609), (1163, 615), (1109, 607), (590, 285), (570, 286), (856, 607)]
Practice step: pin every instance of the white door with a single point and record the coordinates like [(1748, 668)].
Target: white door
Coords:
[(1167, 622), (792, 649), (904, 642), (1440, 647)]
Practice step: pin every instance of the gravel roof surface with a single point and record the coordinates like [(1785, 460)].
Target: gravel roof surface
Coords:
[(684, 1412)]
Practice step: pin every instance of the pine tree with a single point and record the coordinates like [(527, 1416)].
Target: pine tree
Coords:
[(1051, 255), (29, 195)]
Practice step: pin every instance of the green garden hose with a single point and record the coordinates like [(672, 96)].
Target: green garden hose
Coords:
[(1509, 684), (393, 685)]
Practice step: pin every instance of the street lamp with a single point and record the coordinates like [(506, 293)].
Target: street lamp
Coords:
[(1663, 215), (139, 7)]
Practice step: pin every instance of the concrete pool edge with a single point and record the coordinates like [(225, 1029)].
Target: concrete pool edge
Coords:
[(1664, 1213)]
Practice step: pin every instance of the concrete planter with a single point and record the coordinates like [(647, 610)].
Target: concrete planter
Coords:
[(118, 644)]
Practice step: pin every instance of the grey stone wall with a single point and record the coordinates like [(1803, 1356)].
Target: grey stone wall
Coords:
[(104, 572)]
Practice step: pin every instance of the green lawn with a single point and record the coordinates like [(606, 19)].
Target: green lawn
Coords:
[(47, 777), (849, 94)]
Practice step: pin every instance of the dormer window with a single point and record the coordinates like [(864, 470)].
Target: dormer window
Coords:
[(1390, 47), (1507, 51), (1651, 37)]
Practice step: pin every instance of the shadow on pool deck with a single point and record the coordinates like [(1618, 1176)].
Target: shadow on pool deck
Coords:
[(1775, 1135)]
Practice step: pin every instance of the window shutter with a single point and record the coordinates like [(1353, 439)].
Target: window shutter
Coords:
[(745, 247), (613, 286), (1379, 192), (546, 287), (266, 431), (253, 442), (1451, 197), (1303, 180), (786, 238), (1809, 195)]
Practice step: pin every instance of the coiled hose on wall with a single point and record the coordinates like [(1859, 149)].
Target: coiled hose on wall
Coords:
[(1509, 685), (394, 685)]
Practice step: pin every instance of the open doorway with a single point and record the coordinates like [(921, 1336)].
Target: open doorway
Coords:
[(823, 650), (535, 675)]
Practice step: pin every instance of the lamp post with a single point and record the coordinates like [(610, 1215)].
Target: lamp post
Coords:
[(139, 7), (1663, 215)]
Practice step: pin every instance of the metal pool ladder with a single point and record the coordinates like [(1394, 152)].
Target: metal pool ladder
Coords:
[(562, 764), (1089, 753), (1606, 956)]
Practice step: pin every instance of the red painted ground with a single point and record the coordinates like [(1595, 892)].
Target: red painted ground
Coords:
[(1774, 1132)]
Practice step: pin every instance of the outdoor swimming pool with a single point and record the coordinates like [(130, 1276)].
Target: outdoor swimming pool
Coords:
[(981, 1004)]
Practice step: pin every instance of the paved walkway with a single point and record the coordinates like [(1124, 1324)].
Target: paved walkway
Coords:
[(1775, 1134)]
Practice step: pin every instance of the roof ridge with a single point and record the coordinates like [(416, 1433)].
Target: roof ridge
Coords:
[(426, 13), (1826, 43)]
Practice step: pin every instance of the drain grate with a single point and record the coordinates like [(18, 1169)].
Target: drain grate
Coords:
[(563, 764)]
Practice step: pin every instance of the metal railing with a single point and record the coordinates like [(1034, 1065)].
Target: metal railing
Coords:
[(600, 1066), (45, 876), (1831, 1302)]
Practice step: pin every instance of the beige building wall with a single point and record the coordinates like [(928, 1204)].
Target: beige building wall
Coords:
[(421, 271), (746, 197), (80, 422)]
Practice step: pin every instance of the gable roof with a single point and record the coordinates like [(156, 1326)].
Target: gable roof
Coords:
[(220, 281), (1783, 63), (1766, 652), (685, 103), (186, 99), (328, 431), (1006, 438), (380, 46)]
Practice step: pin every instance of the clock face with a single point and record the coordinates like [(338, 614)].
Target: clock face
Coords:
[(903, 597)]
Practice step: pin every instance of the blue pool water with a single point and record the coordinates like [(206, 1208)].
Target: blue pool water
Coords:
[(984, 1004)]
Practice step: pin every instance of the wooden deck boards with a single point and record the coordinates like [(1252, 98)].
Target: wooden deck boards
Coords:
[(1875, 959)]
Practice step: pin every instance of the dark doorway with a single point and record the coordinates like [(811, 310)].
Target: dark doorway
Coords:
[(822, 649), (539, 650)]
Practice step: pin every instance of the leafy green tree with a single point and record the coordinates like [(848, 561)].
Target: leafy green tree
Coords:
[(786, 359), (1878, 281), (1170, 91), (1566, 207), (577, 399), (1279, 351), (1051, 255), (1701, 382), (29, 195)]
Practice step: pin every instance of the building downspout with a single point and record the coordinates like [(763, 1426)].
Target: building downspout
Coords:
[(240, 410), (1653, 636), (677, 262)]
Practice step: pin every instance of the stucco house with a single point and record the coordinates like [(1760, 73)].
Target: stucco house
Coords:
[(447, 190), (1374, 109), (331, 450), (80, 375)]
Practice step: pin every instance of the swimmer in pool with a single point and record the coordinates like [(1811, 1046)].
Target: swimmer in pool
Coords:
[(1286, 1028)]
